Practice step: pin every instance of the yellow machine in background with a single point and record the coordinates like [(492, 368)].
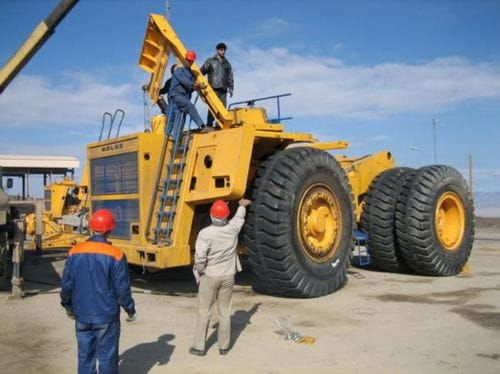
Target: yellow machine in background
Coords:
[(65, 198), (65, 215), (306, 203)]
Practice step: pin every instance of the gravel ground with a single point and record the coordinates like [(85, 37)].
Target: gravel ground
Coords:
[(380, 322)]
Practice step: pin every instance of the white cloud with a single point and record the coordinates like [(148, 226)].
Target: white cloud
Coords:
[(326, 86), (338, 46), (80, 100), (321, 86), (270, 27)]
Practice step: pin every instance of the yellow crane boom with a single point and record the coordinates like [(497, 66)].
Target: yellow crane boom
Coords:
[(37, 38)]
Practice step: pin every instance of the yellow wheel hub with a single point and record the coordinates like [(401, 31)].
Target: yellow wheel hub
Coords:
[(450, 220), (319, 222)]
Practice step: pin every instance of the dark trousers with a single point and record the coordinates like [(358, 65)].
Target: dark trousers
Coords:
[(222, 94), (186, 106), (98, 343)]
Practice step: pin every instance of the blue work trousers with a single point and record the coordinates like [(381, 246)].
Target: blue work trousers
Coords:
[(186, 106), (98, 343), (174, 121)]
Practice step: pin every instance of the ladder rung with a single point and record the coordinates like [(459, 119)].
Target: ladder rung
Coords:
[(169, 198), (177, 165), (166, 214), (174, 183), (180, 149)]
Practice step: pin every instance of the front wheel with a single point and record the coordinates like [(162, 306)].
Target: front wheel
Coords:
[(300, 226)]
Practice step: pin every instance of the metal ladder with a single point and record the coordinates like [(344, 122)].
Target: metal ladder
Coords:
[(173, 176)]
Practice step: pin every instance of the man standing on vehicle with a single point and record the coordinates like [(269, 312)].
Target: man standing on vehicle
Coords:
[(216, 263), (220, 76), (95, 284), (182, 86)]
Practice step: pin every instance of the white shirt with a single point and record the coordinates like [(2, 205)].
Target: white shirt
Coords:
[(215, 248)]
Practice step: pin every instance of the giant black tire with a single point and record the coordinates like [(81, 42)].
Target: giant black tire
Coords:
[(435, 221), (378, 219), (295, 192), (249, 233)]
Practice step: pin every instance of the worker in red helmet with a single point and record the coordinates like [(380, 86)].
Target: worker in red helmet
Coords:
[(215, 264), (182, 85), (95, 284)]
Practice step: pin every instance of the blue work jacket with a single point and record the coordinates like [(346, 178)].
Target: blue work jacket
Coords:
[(182, 82), (96, 282)]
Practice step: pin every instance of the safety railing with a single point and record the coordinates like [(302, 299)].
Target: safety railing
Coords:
[(251, 103), (112, 119)]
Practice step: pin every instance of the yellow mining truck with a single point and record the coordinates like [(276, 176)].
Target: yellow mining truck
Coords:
[(306, 202)]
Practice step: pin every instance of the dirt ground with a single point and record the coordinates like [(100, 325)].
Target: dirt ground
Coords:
[(380, 322)]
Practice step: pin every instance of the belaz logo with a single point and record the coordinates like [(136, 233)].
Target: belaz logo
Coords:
[(112, 147)]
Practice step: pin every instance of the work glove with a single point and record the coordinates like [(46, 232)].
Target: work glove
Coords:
[(131, 317)]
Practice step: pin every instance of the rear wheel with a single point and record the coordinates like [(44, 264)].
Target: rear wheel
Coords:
[(435, 225), (300, 225), (379, 219)]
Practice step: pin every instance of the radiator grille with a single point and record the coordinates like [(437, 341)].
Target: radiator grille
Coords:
[(125, 212), (114, 174)]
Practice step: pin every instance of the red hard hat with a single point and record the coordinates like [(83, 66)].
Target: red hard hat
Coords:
[(219, 210), (102, 221), (190, 56)]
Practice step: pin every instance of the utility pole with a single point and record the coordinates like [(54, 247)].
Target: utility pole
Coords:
[(167, 9), (434, 123)]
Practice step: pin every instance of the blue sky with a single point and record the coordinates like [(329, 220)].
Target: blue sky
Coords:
[(373, 73)]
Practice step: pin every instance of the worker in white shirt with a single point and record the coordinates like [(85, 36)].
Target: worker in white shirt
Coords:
[(216, 263)]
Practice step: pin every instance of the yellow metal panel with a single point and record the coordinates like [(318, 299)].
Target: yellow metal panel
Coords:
[(158, 124), (325, 146), (255, 117), (220, 163), (112, 147), (361, 171), (154, 58), (292, 137), (164, 257)]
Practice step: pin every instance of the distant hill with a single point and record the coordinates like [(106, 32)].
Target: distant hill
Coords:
[(487, 204)]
